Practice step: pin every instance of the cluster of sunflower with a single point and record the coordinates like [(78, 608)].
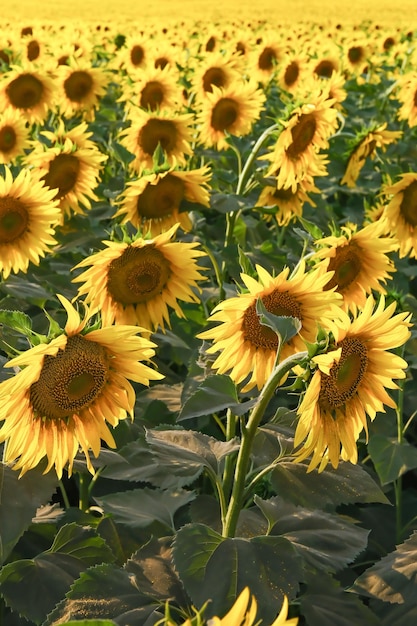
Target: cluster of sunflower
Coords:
[(137, 136)]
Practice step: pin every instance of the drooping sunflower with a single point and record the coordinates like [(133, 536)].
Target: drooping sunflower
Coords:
[(69, 390), (72, 172), (248, 348), (153, 89), (231, 110), (400, 214), (14, 136), (29, 91), (289, 204), (407, 96), (307, 131), (367, 146), (359, 260), (174, 134), (28, 216), (138, 282), (80, 87), (350, 383), (152, 203)]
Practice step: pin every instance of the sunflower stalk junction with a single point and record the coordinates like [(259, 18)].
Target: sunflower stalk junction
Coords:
[(248, 434)]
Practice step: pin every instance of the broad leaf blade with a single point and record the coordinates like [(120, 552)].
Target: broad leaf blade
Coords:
[(214, 394), (19, 500), (217, 568), (394, 578), (391, 458)]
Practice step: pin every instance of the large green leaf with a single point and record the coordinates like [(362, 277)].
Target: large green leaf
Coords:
[(325, 603), (176, 448), (325, 490), (393, 578), (19, 500), (32, 587), (141, 507), (324, 541), (215, 568), (106, 592), (391, 458), (284, 326)]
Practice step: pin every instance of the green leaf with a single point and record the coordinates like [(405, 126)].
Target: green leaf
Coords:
[(141, 507), (217, 568), (32, 587), (323, 541), (284, 326), (17, 320), (391, 458), (226, 203), (107, 592), (214, 394), (187, 447), (325, 599), (19, 500), (245, 263), (394, 578), (90, 622), (345, 485)]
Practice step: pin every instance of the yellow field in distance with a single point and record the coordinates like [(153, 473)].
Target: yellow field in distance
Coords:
[(384, 12)]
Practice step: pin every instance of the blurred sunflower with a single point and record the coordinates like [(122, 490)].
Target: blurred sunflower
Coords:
[(407, 96), (243, 613), (248, 348), (356, 55), (359, 260), (14, 136), (28, 91), (152, 203), (264, 57), (307, 130), (349, 383), (134, 53), (72, 172), (164, 55), (28, 215), (152, 89), (292, 72), (368, 143), (325, 66), (68, 390), (218, 69), (80, 87), (229, 111), (400, 214), (174, 134), (136, 282), (289, 203)]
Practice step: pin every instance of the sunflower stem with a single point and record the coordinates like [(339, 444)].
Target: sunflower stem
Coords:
[(398, 483), (83, 491), (229, 463), (248, 435), (64, 494)]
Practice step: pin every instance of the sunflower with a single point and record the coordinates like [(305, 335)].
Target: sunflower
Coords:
[(134, 53), (325, 66), (243, 613), (349, 383), (153, 89), (147, 130), (28, 215), (72, 172), (407, 97), (14, 136), (80, 87), (247, 348), (264, 57), (366, 147), (68, 390), (307, 131), (400, 214), (152, 203), (359, 261), (292, 72), (289, 203), (28, 91), (218, 69), (229, 111), (135, 282), (356, 56)]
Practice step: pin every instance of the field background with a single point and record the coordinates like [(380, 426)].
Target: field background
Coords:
[(386, 12)]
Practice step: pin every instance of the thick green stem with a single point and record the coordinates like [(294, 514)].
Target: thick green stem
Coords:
[(229, 462), (83, 491), (398, 486), (248, 435)]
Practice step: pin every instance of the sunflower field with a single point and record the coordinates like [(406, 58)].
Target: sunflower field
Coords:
[(208, 299)]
